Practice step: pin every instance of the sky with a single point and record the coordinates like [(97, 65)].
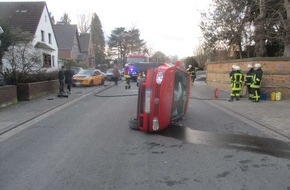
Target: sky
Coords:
[(171, 26)]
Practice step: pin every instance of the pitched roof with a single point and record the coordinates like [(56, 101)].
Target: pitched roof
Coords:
[(65, 35), (25, 15), (84, 41), (41, 45)]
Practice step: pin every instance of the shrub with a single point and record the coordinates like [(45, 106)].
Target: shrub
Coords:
[(12, 78)]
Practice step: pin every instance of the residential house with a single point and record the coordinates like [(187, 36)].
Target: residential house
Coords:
[(88, 55), (68, 42), (33, 17)]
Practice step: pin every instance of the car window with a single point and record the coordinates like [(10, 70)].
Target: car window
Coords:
[(110, 71), (179, 94), (85, 72)]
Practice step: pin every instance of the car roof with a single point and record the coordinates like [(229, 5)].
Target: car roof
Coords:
[(143, 66)]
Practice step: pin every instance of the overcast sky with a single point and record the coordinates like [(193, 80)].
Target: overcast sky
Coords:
[(168, 26)]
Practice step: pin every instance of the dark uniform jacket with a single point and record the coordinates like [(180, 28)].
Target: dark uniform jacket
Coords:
[(257, 78), (68, 76), (61, 75), (249, 76)]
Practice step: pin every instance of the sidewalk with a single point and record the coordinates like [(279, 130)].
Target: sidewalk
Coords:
[(271, 116), (24, 111)]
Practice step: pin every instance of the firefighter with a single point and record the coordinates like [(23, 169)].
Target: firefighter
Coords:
[(233, 70), (249, 79), (256, 82), (191, 71), (139, 78), (127, 76), (237, 79), (116, 75)]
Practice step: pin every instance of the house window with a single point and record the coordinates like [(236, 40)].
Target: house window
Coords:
[(42, 36), (52, 57), (49, 38), (46, 60)]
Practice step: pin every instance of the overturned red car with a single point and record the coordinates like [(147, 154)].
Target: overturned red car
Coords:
[(162, 98)]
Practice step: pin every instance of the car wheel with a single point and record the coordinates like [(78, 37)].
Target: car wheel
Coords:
[(91, 83), (133, 123), (103, 82)]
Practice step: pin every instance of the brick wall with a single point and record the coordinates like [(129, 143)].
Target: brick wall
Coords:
[(8, 95), (64, 54), (29, 91), (276, 77)]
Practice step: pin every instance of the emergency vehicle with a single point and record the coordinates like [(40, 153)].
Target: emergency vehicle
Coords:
[(132, 59), (162, 97)]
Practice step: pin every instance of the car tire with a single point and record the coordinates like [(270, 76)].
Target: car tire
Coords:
[(103, 82), (133, 123), (91, 83)]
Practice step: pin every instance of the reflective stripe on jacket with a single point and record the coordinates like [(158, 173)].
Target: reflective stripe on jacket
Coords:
[(191, 71), (249, 77), (127, 73), (127, 76), (237, 81), (257, 79)]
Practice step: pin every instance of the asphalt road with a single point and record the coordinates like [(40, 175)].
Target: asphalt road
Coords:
[(88, 146)]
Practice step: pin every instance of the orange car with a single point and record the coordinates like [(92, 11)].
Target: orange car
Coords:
[(88, 77)]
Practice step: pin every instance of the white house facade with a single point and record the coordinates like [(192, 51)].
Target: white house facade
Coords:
[(33, 17), (45, 34)]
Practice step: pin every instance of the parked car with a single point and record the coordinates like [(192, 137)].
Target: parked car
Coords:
[(104, 74), (109, 74), (122, 71), (88, 77), (163, 97), (76, 69)]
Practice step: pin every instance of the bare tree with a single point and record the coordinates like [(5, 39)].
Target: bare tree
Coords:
[(84, 23), (224, 25), (260, 33), (287, 26), (246, 24), (201, 56), (21, 57), (160, 57)]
